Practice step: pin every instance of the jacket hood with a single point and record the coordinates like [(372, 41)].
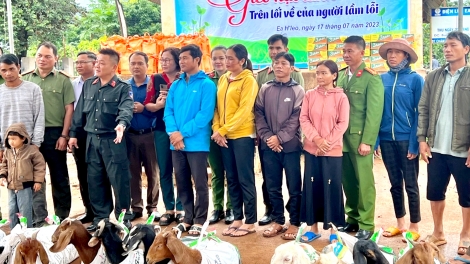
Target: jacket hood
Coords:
[(406, 70), (245, 73), (321, 89), (20, 129)]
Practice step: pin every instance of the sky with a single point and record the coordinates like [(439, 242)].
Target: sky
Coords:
[(83, 3)]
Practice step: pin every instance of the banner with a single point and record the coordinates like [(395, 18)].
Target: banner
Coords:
[(445, 20), (252, 22)]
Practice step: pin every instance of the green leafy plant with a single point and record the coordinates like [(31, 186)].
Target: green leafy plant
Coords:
[(194, 26), (381, 14)]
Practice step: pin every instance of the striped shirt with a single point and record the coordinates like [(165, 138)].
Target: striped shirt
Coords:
[(22, 104)]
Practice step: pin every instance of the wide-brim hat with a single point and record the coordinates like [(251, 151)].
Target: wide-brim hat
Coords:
[(399, 44)]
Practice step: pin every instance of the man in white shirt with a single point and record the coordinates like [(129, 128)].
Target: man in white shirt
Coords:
[(85, 65)]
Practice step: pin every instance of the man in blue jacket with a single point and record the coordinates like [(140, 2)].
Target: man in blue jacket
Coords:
[(188, 114)]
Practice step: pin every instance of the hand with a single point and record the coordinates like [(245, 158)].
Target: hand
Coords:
[(179, 145), (273, 142), (363, 149), (3, 182), (425, 151), (119, 133), (320, 153), (37, 187), (219, 139), (138, 108), (377, 153), (467, 162), (324, 146), (161, 101), (1, 155), (73, 143), (61, 144), (411, 156), (278, 149), (175, 137)]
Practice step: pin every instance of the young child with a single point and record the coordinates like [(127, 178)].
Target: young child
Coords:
[(22, 169)]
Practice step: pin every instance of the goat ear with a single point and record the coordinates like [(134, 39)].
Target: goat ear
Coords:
[(34, 235), (62, 242), (182, 253), (22, 237), (18, 256), (42, 253), (157, 229), (93, 241), (407, 258)]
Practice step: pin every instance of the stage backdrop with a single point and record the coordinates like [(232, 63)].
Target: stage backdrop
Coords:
[(251, 22)]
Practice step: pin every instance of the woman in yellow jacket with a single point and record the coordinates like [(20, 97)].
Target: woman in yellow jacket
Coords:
[(234, 131)]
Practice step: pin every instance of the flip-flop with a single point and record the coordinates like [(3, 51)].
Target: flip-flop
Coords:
[(436, 241), (414, 235), (195, 230), (392, 231), (462, 259), (180, 227), (274, 230), (310, 237), (226, 233), (291, 233), (333, 237), (247, 232), (463, 246)]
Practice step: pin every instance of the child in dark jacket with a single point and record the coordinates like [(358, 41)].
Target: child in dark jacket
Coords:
[(22, 169)]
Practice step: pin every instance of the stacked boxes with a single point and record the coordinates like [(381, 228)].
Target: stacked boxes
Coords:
[(322, 48)]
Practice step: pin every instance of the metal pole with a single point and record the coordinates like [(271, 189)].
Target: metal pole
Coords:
[(11, 40), (460, 15), (430, 46), (121, 18)]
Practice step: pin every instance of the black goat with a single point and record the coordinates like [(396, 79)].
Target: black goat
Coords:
[(367, 252), (142, 236), (111, 235)]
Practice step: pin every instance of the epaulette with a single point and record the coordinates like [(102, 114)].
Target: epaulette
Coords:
[(64, 73), (344, 68), (296, 69), (267, 68), (369, 70), (28, 72)]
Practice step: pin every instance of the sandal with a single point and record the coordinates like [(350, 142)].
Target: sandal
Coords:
[(195, 230), (246, 232), (273, 230), (462, 259), (227, 232), (166, 219), (291, 233), (310, 237), (463, 246), (179, 218), (180, 228), (392, 231), (414, 236), (333, 238), (436, 241)]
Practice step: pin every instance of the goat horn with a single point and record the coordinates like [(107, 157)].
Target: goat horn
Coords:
[(22, 237), (101, 225), (35, 234)]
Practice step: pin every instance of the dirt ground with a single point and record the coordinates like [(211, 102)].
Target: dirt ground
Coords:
[(255, 249)]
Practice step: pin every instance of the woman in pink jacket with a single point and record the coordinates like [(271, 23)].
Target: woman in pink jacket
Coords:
[(324, 119)]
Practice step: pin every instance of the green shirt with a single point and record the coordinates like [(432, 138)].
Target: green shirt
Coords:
[(57, 92), (214, 76), (267, 74), (102, 107)]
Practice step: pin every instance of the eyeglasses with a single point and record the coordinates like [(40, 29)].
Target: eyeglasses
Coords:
[(166, 61), (82, 62)]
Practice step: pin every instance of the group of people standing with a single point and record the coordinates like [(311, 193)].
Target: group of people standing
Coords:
[(181, 118)]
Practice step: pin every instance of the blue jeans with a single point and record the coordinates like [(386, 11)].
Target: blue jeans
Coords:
[(20, 202)]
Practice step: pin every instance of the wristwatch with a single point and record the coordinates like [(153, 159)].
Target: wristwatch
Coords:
[(65, 136)]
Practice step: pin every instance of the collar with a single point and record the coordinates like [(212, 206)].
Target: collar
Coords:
[(132, 81), (289, 83), (53, 72), (270, 69), (112, 82), (447, 69)]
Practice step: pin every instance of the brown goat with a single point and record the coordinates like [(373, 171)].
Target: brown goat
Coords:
[(422, 253), (28, 250), (167, 246), (73, 232)]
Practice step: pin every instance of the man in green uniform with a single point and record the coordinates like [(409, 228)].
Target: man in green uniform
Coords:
[(104, 110), (277, 43), (1, 54), (365, 92), (58, 96)]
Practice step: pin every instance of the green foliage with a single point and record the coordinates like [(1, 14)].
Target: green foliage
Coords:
[(194, 26), (37, 21)]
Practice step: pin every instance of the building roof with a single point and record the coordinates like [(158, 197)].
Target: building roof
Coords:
[(427, 6)]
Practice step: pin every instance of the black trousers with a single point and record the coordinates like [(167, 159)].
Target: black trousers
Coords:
[(400, 169), (238, 161), (108, 167), (141, 150), (57, 163), (264, 189), (79, 154), (195, 164), (274, 164)]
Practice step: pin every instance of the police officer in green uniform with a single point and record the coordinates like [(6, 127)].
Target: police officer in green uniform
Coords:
[(276, 43), (105, 109), (365, 92), (1, 78), (215, 156), (58, 96)]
